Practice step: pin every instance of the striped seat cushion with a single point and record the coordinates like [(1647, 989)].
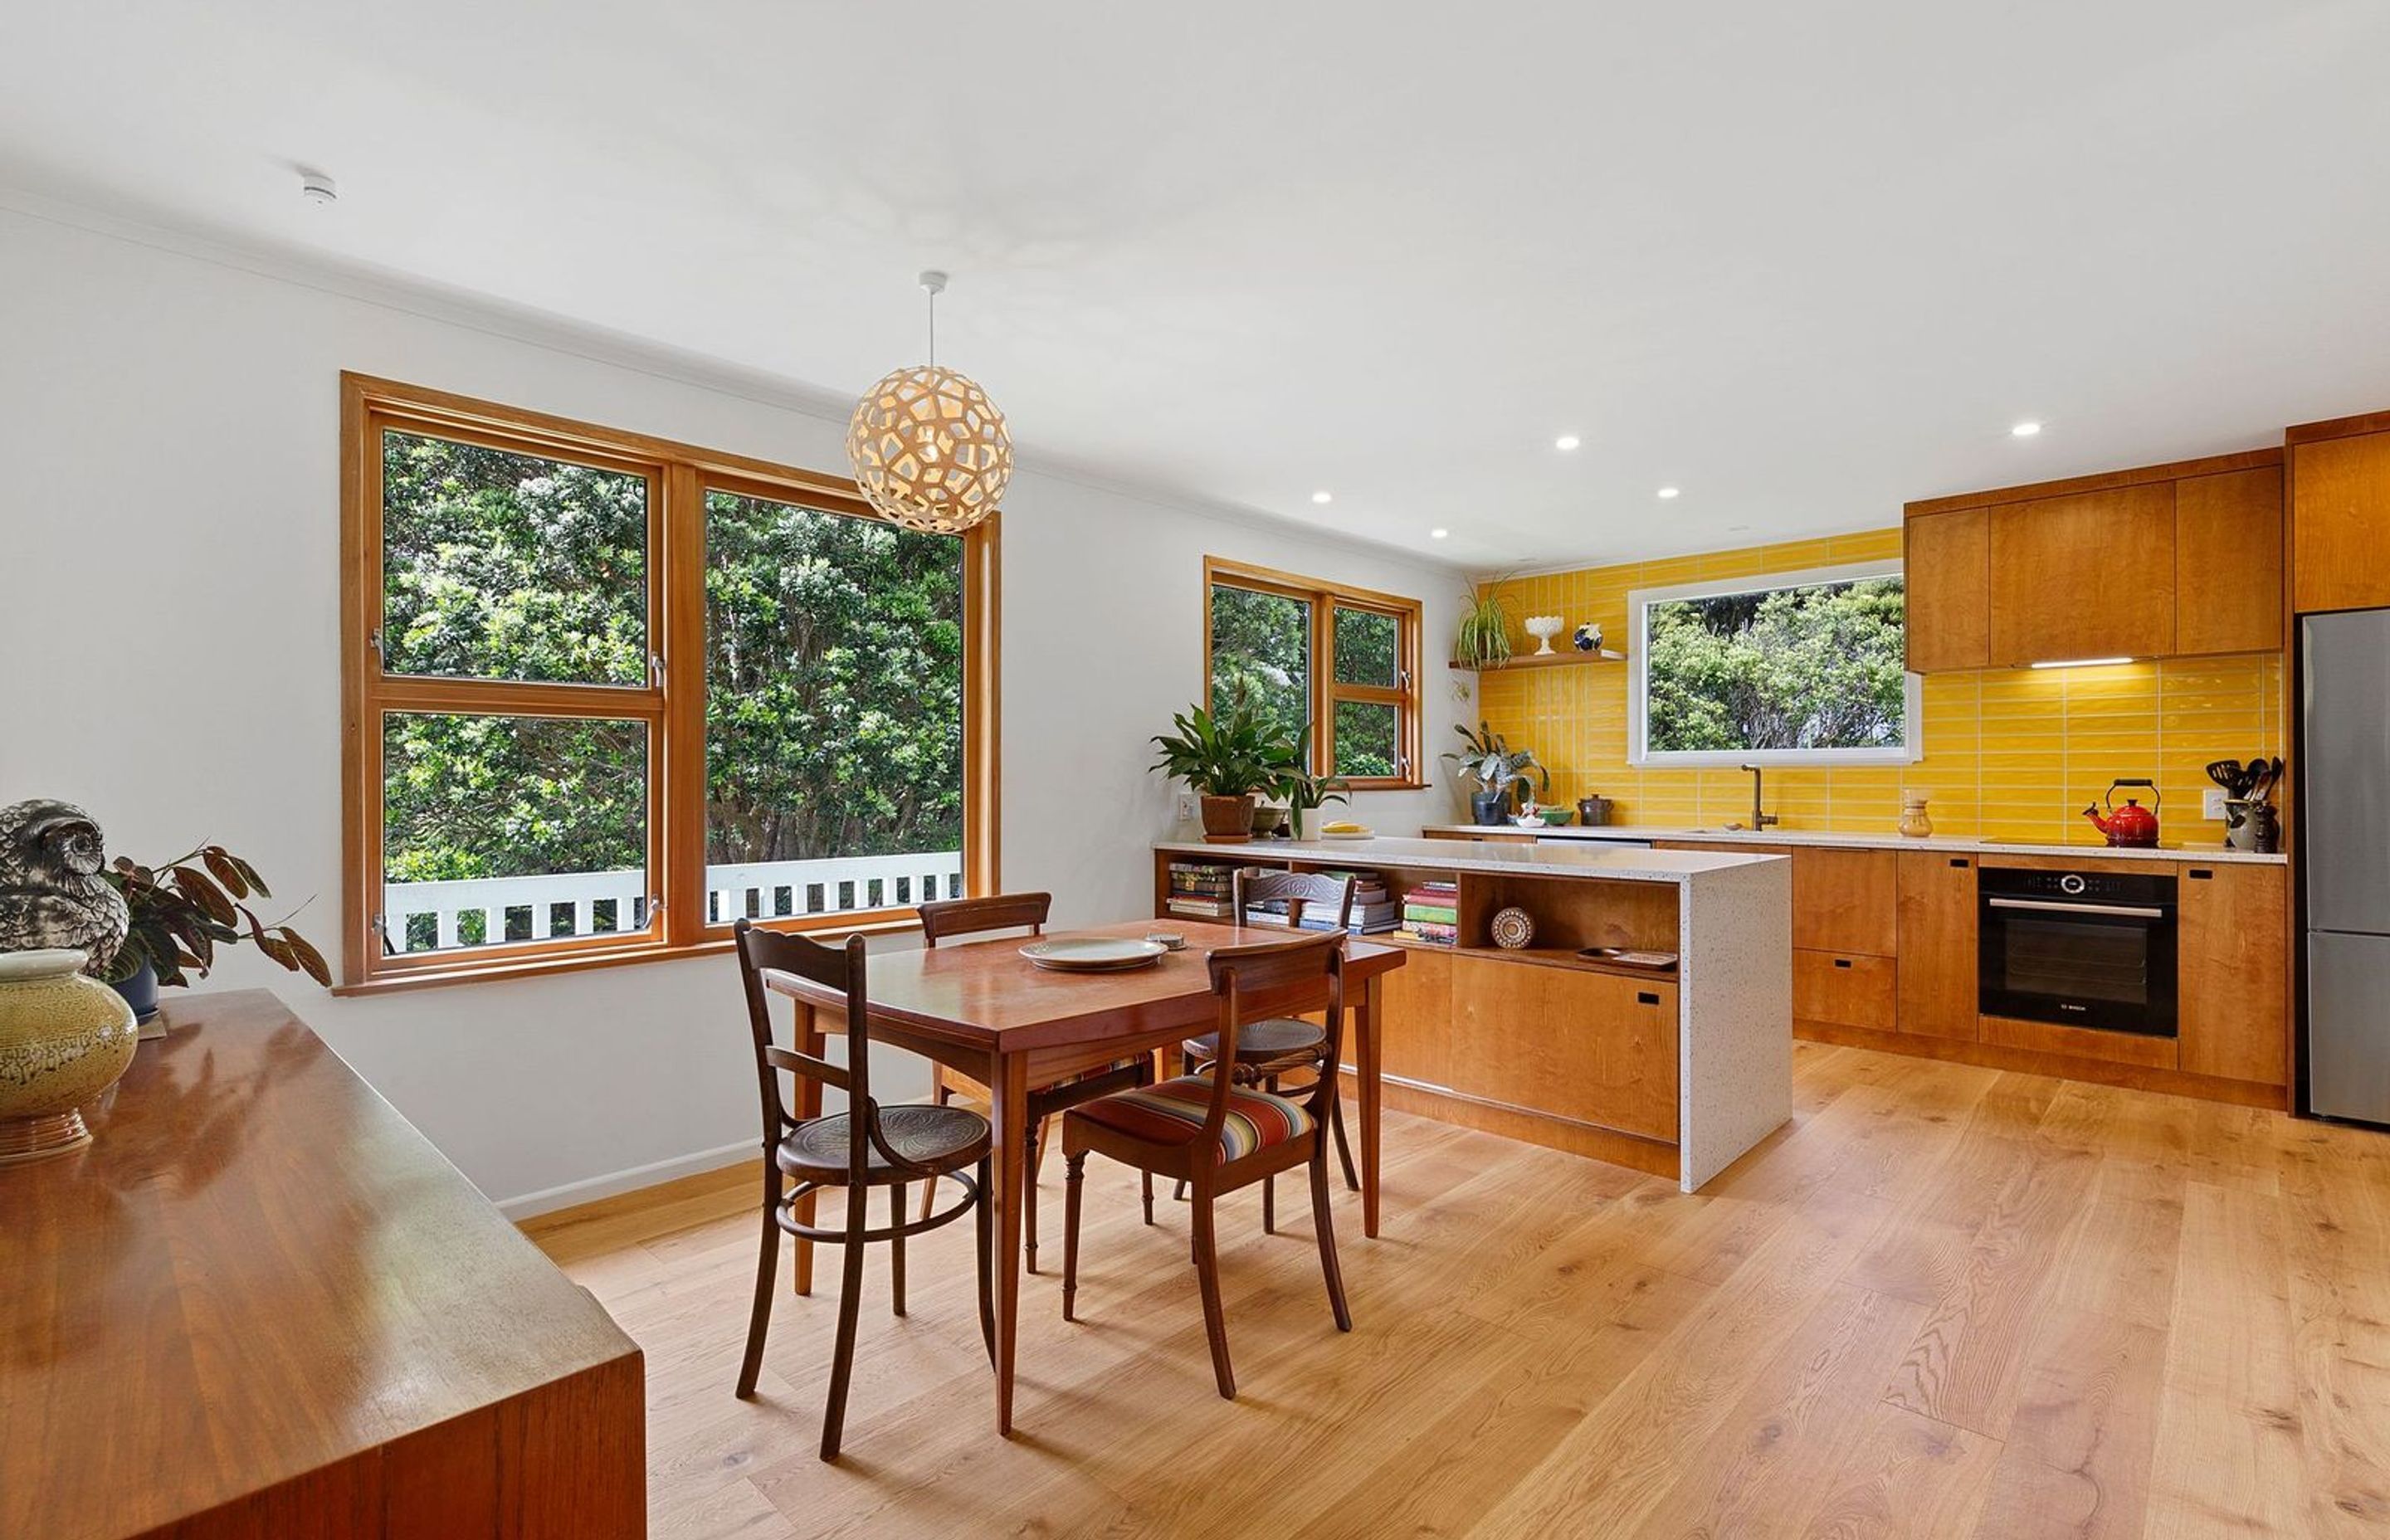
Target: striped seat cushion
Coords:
[(1173, 1112)]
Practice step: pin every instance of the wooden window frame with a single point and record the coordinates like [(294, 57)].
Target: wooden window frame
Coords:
[(671, 702), (1325, 599)]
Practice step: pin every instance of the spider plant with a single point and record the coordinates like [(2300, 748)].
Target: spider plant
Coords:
[(1483, 636)]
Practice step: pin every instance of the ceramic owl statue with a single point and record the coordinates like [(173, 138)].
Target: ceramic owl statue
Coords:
[(52, 892)]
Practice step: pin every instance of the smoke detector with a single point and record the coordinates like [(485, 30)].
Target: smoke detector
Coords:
[(317, 189)]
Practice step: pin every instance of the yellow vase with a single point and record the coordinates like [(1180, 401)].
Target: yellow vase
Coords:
[(64, 1038)]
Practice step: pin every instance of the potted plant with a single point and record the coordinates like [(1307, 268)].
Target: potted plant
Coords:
[(1496, 768), (1225, 757), (1484, 635), (182, 912), (1302, 790)]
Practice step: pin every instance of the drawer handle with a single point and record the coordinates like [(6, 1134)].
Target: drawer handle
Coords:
[(2200, 874), (1960, 864), (1842, 962), (1645, 998)]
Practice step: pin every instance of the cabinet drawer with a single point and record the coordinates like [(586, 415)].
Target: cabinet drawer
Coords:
[(1590, 1047), (1848, 989), (2116, 1047)]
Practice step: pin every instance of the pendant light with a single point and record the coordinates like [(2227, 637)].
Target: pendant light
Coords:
[(929, 450)]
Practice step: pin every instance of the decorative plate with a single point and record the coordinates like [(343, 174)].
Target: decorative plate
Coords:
[(1094, 954), (1349, 834), (1514, 928), (1629, 957)]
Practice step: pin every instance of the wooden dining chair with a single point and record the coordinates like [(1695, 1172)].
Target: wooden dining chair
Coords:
[(943, 920), (866, 1147), (1218, 1135), (1266, 1051)]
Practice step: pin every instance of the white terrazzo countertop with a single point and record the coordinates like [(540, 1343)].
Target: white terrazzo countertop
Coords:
[(1579, 835), (1580, 859)]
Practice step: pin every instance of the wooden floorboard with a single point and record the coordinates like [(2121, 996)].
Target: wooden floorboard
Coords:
[(1945, 1301)]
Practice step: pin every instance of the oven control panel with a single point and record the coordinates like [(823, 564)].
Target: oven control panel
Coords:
[(2078, 886)]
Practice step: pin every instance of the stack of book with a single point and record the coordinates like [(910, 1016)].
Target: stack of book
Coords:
[(1200, 891), (1432, 913), (1374, 909)]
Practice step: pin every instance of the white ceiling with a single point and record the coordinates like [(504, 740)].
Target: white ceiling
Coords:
[(1805, 262)]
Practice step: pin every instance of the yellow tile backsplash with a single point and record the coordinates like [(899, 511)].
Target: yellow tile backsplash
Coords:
[(2010, 753)]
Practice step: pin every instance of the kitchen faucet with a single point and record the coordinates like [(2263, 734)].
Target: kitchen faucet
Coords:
[(1758, 782)]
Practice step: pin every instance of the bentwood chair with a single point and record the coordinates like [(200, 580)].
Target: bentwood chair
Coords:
[(867, 1146), (1281, 1046), (943, 920), (1217, 1134)]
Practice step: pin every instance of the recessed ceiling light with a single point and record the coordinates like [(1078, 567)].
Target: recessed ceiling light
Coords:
[(2024, 430), (1566, 440), (1669, 492), (1438, 534), (1323, 498)]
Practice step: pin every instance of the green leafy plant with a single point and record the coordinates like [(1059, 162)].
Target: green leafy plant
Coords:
[(1230, 753), (1302, 790), (1492, 763), (181, 914), (1484, 635)]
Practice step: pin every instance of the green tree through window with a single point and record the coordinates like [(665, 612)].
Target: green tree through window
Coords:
[(1818, 666)]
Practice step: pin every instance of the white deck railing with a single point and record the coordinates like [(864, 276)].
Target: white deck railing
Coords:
[(543, 907)]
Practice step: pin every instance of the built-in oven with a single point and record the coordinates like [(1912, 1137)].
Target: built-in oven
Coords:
[(2082, 949)]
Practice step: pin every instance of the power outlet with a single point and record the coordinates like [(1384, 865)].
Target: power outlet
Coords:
[(2211, 805), (1187, 808)]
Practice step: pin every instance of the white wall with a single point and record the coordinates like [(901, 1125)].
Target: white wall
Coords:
[(169, 658)]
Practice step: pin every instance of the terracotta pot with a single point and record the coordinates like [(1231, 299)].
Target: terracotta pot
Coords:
[(1228, 820), (64, 1038)]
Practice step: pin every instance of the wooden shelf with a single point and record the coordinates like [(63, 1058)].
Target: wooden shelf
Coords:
[(1546, 660), (1554, 956)]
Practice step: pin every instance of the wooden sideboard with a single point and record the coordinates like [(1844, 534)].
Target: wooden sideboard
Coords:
[(261, 1305)]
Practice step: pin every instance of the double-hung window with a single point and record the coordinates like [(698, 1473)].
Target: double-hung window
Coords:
[(1342, 660), (607, 694)]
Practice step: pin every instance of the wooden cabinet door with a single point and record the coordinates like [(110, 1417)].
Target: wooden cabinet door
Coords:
[(1846, 900), (2340, 523), (1948, 562), (1592, 1046), (1415, 1003), (2086, 575), (2233, 933), (1937, 944), (2227, 562)]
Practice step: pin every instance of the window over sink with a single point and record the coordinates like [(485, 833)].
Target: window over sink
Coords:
[(1788, 668)]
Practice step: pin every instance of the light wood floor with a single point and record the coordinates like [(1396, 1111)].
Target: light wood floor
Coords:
[(1945, 1302)]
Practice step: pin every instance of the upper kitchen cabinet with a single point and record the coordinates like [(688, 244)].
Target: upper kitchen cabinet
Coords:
[(2089, 575), (2228, 561), (1948, 564), (2163, 561), (2340, 514)]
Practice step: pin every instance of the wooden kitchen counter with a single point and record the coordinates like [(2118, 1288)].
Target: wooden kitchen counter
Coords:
[(261, 1304)]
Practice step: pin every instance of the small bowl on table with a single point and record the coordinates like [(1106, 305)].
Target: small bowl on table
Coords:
[(1553, 817)]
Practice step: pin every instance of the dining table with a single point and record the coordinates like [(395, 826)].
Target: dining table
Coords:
[(983, 1009)]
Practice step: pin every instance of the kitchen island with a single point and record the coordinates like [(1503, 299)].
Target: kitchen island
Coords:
[(1675, 1071)]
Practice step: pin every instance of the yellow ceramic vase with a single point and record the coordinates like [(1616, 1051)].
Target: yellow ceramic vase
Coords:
[(64, 1038)]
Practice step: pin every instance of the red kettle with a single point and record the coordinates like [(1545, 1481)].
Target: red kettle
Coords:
[(2131, 824)]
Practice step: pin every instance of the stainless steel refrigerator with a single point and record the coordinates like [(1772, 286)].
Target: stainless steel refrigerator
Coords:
[(2345, 816)]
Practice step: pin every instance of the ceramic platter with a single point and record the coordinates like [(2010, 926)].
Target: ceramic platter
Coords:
[(1352, 834), (1094, 954)]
